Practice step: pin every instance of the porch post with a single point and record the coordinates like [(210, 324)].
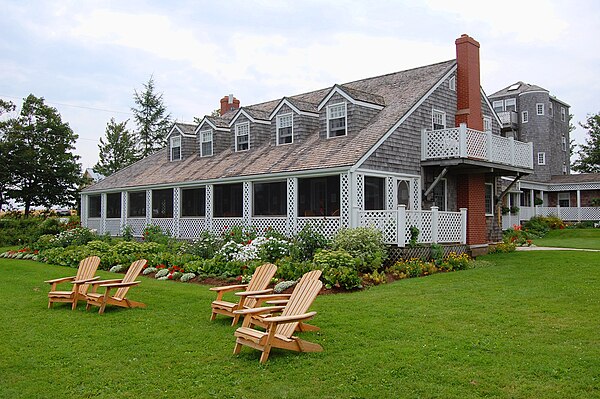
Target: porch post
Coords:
[(208, 214), (345, 200), (511, 140), (247, 203), (401, 223), (558, 210), (292, 206), (434, 224), (578, 205), (463, 225), (123, 211), (462, 140), (424, 137), (176, 211), (148, 207), (83, 212), (102, 213), (489, 145)]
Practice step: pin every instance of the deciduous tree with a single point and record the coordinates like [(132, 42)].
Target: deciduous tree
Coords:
[(589, 153)]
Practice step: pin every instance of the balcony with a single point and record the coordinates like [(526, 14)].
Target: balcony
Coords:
[(509, 119), (472, 146)]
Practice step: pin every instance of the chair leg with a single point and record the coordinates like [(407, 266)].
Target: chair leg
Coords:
[(236, 318), (88, 306), (237, 348), (102, 307), (74, 305), (213, 316), (265, 354), (50, 303)]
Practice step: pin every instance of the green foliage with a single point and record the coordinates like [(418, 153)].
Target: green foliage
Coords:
[(151, 119), (307, 242), (437, 253), (127, 233), (339, 269), (540, 225), (365, 244), (15, 229), (154, 233), (206, 246), (414, 236), (589, 154), (503, 247), (375, 278), (455, 262), (407, 268), (118, 150), (238, 234), (291, 269)]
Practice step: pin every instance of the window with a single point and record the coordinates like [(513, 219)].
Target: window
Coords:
[(270, 199), (564, 168), (374, 193), (541, 156), (524, 117), (510, 104), (489, 199), (498, 105), (452, 83), (438, 120), (285, 129), (162, 203), (539, 108), (175, 148), (564, 143), (206, 143), (193, 202), (137, 204), (336, 120), (564, 199), (487, 124), (439, 195), (526, 198), (94, 203), (563, 114), (403, 193), (113, 205), (319, 196), (242, 136), (228, 200)]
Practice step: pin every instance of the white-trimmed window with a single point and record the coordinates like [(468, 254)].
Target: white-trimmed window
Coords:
[(452, 83), (510, 104), (563, 114), (498, 105), (564, 199), (541, 158), (489, 199), (242, 136), (438, 120), (564, 143), (539, 108), (175, 148), (285, 129), (487, 124), (336, 120), (524, 117), (206, 143)]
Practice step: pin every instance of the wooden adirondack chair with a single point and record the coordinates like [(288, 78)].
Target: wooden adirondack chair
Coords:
[(85, 274), (258, 285), (280, 328), (282, 300), (95, 298)]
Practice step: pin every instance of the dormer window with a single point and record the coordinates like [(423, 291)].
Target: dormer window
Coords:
[(336, 120), (438, 120), (285, 129), (452, 83), (206, 143), (175, 148), (242, 136)]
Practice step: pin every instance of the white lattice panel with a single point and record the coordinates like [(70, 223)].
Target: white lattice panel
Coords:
[(247, 201), (137, 225), (221, 224), (390, 192), (292, 205), (345, 200), (113, 226), (94, 224), (327, 226), (546, 211), (165, 224), (191, 227), (422, 221), (443, 143), (477, 144), (83, 216), (262, 224), (209, 208), (523, 154), (123, 209), (360, 191), (415, 195), (449, 227), (590, 213), (569, 213), (148, 206), (501, 149), (103, 213), (384, 221), (176, 212)]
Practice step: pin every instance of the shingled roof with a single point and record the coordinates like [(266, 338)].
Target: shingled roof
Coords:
[(399, 91)]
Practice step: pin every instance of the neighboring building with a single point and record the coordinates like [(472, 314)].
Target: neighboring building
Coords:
[(92, 177), (530, 113), (417, 148)]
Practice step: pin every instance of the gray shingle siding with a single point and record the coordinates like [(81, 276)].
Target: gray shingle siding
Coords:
[(187, 146), (303, 125)]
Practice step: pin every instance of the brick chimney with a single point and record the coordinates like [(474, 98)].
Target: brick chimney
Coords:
[(468, 86), (228, 103)]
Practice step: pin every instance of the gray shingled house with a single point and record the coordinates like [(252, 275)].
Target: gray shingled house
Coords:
[(417, 148)]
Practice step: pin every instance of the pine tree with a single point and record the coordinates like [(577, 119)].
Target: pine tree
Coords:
[(118, 151), (44, 169), (151, 119), (589, 154)]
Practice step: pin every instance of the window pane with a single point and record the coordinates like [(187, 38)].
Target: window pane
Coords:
[(193, 202), (206, 147), (270, 199), (94, 203), (162, 203), (113, 205), (137, 204), (439, 195), (403, 193), (319, 196), (374, 193), (228, 200), (489, 206)]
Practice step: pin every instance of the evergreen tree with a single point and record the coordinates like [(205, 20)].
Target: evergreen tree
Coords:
[(5, 169), (43, 167), (589, 154), (151, 119), (118, 151)]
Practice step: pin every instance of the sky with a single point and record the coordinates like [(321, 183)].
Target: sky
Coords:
[(86, 58)]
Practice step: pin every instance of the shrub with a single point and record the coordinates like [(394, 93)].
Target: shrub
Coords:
[(149, 270), (307, 242), (503, 247), (206, 246), (238, 234), (127, 233), (76, 236), (339, 269), (185, 277), (154, 233), (407, 268), (375, 278), (284, 285), (161, 273), (365, 244), (290, 269), (455, 262)]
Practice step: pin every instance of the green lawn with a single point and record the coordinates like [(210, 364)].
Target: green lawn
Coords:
[(571, 238), (523, 325)]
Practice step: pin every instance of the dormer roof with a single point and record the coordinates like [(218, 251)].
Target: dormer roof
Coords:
[(355, 96), (298, 106), (255, 115), (184, 129), (216, 123)]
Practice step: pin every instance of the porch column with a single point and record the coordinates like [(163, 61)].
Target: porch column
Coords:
[(208, 218), (471, 195), (148, 207), (123, 210), (345, 195), (247, 203), (292, 206), (176, 211), (83, 207), (434, 224), (358, 198), (578, 205), (102, 213)]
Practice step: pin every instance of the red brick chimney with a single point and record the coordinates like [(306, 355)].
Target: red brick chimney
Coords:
[(468, 86), (230, 102)]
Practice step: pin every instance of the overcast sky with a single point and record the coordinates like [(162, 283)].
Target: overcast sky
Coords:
[(87, 57)]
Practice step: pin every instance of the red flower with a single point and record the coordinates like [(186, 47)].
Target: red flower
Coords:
[(170, 277)]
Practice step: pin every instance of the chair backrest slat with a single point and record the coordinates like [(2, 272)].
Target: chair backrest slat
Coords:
[(87, 269), (260, 280), (132, 273), (303, 296)]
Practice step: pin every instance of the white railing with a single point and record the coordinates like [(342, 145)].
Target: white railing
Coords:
[(462, 142), (566, 213), (433, 226)]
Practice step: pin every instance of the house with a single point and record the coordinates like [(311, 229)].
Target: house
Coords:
[(529, 113), (419, 151)]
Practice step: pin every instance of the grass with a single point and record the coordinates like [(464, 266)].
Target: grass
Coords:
[(522, 325), (571, 238)]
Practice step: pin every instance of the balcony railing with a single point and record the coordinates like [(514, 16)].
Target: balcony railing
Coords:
[(508, 118), (462, 142)]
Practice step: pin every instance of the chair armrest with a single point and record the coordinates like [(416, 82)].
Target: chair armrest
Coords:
[(229, 287), (289, 319), (105, 281), (268, 297), (60, 280), (87, 280), (250, 293), (278, 302), (268, 309), (112, 285)]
